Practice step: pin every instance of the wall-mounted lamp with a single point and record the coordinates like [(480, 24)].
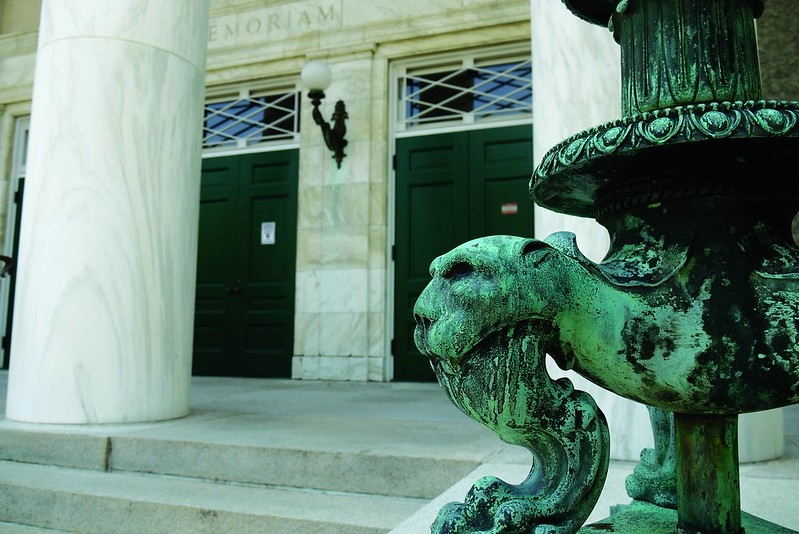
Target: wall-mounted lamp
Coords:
[(316, 78)]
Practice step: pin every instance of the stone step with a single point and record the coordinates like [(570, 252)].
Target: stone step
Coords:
[(93, 501), (14, 528), (307, 455)]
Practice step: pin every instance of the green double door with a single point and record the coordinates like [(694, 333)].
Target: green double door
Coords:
[(451, 188), (244, 313)]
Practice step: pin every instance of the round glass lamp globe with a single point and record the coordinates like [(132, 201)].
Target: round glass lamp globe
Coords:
[(316, 75)]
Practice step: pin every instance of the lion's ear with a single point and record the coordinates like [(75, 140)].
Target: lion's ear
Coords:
[(566, 242)]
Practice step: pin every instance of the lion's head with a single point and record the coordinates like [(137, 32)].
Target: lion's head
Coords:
[(477, 289)]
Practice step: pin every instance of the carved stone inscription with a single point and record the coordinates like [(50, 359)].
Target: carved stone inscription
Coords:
[(274, 23)]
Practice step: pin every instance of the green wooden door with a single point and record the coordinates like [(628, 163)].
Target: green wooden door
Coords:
[(244, 313), (451, 188), (13, 279)]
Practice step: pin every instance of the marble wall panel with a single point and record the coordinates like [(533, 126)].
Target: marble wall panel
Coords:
[(19, 15), (376, 369), (377, 291), (378, 175), (358, 160), (306, 334), (339, 367), (343, 290), (377, 338), (335, 208), (16, 77), (309, 205), (307, 298), (309, 246), (343, 334), (377, 249), (344, 247), (333, 368), (315, 158), (299, 370), (345, 204), (379, 105), (321, 237)]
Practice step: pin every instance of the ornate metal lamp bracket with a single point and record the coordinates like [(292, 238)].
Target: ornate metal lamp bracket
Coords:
[(333, 135)]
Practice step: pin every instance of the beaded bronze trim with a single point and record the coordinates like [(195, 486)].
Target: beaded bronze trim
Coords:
[(599, 11), (639, 147)]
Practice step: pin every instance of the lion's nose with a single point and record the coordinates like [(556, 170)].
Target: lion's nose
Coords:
[(422, 321)]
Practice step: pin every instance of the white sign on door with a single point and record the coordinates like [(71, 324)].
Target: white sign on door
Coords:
[(268, 233)]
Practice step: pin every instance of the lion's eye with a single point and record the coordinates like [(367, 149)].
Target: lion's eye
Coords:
[(458, 270)]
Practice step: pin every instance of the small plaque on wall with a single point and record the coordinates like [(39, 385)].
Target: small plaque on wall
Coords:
[(268, 233), (509, 208)]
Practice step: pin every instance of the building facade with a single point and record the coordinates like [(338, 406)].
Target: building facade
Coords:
[(306, 269), (320, 301)]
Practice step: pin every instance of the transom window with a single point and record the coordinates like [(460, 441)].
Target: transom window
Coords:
[(473, 91), (251, 119)]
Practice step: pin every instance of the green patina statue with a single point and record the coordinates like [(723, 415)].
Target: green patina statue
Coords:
[(694, 311)]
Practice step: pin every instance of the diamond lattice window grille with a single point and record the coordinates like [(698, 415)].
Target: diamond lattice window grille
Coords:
[(472, 92), (251, 119)]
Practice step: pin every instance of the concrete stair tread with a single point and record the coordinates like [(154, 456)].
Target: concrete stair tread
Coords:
[(14, 528), (95, 501), (268, 460), (452, 439)]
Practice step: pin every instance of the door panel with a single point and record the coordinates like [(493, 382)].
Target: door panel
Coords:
[(271, 191), (452, 188), (500, 166), (429, 189), (12, 274), (214, 315), (244, 323), (210, 314), (506, 210)]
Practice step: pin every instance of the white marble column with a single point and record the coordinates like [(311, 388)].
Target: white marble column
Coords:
[(106, 273), (577, 85)]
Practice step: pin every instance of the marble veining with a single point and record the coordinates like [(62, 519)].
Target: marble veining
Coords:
[(176, 28), (105, 279)]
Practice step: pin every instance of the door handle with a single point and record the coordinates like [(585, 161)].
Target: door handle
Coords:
[(235, 289)]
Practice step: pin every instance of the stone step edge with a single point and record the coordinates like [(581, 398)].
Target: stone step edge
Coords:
[(352, 472), (94, 501), (16, 528)]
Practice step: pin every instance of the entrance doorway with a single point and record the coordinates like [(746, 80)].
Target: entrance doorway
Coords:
[(9, 267), (13, 218), (451, 188), (244, 314)]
